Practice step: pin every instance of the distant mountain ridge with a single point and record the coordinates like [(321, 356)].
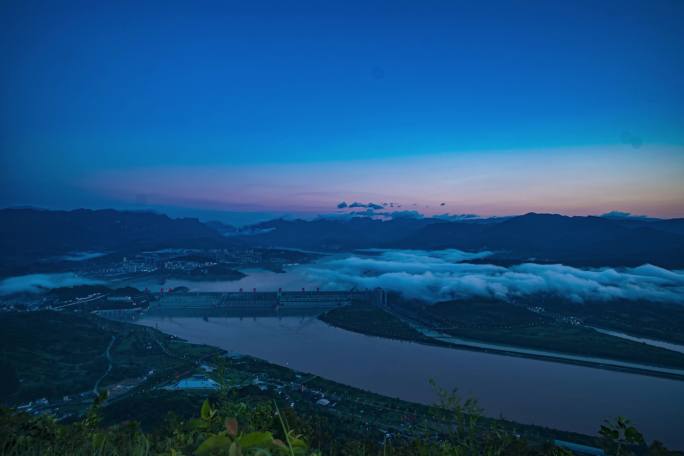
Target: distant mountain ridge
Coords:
[(333, 234), (26, 234), (588, 241), (579, 240), (222, 228), (29, 234)]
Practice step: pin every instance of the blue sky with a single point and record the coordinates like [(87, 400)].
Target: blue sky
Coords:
[(168, 90)]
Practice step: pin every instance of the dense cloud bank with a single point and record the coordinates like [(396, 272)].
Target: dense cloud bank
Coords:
[(446, 274), (34, 283)]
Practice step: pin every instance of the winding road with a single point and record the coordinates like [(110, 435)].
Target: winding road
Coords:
[(109, 367)]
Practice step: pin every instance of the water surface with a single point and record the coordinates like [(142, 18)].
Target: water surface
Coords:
[(562, 396)]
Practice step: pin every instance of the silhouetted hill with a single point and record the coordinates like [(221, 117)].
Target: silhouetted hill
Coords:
[(590, 241), (31, 233), (221, 228), (672, 226), (586, 241), (28, 234), (333, 235)]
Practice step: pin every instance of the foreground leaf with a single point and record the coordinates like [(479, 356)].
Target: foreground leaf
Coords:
[(256, 440), (214, 444), (205, 412)]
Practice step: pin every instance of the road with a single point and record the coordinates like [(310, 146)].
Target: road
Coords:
[(82, 301), (510, 350), (108, 355)]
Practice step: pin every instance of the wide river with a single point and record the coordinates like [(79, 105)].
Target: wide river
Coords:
[(562, 396)]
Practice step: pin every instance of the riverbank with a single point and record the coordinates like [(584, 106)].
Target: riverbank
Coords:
[(559, 395), (394, 324), (349, 411)]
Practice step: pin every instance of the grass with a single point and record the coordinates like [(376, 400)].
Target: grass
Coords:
[(53, 354), (655, 320), (504, 323)]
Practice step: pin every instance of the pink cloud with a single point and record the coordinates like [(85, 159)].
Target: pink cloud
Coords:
[(572, 181)]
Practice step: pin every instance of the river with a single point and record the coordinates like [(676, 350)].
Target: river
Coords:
[(562, 396)]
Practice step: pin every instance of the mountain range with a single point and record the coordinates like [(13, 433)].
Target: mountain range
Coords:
[(27, 234), (581, 241)]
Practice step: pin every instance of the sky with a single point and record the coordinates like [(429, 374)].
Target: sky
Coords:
[(250, 109)]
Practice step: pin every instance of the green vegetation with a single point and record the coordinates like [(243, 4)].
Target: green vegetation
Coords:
[(231, 428), (254, 411), (54, 354), (655, 320), (367, 319), (504, 323), (500, 323), (48, 362)]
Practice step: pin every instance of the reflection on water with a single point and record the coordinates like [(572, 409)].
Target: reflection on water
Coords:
[(531, 391), (294, 279)]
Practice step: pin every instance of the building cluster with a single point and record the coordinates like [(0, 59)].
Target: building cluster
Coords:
[(187, 265), (187, 260)]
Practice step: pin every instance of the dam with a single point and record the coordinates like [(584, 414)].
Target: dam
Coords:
[(267, 300)]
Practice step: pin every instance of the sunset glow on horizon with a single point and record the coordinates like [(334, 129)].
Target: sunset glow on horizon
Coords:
[(439, 108), (573, 181)]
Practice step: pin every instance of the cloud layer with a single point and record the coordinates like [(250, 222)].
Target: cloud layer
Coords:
[(82, 256), (34, 283), (445, 274)]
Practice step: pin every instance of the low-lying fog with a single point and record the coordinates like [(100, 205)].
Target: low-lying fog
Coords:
[(446, 274), (35, 283), (428, 275)]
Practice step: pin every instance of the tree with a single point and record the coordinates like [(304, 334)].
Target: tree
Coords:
[(619, 437)]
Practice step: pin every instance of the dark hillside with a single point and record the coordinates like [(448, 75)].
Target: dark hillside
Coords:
[(30, 234)]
